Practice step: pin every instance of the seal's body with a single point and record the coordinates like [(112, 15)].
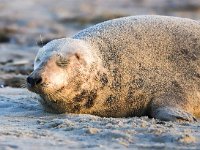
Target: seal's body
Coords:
[(132, 66)]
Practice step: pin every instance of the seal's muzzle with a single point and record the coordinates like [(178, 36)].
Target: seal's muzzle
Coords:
[(34, 79)]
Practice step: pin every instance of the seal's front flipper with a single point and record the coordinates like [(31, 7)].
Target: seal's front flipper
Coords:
[(172, 114)]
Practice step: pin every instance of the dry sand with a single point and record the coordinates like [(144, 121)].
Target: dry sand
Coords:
[(24, 125)]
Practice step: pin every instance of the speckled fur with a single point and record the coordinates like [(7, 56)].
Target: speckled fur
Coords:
[(151, 65)]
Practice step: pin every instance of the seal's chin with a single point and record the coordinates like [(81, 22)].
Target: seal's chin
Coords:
[(39, 89), (34, 89), (44, 90)]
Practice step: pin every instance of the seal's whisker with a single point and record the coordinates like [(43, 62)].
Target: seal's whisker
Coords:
[(23, 85), (41, 40)]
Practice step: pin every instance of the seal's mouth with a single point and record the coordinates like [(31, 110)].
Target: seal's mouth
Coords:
[(35, 89)]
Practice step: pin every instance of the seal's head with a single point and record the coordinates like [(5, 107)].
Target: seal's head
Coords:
[(61, 67)]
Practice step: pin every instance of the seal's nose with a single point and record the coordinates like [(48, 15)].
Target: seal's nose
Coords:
[(32, 81)]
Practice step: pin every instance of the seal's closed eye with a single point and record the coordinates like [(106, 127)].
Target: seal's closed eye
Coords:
[(62, 61)]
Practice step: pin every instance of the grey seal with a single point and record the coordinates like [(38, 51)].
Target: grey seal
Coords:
[(131, 66)]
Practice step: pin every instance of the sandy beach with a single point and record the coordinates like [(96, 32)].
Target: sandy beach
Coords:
[(24, 125)]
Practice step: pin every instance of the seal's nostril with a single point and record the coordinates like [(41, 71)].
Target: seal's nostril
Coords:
[(33, 81), (38, 80)]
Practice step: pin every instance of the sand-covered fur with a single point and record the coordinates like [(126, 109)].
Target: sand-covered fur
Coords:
[(133, 66)]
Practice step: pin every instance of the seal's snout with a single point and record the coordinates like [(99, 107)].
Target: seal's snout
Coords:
[(33, 80)]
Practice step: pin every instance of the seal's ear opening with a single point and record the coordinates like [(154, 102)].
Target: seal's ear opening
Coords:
[(80, 58), (77, 56)]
